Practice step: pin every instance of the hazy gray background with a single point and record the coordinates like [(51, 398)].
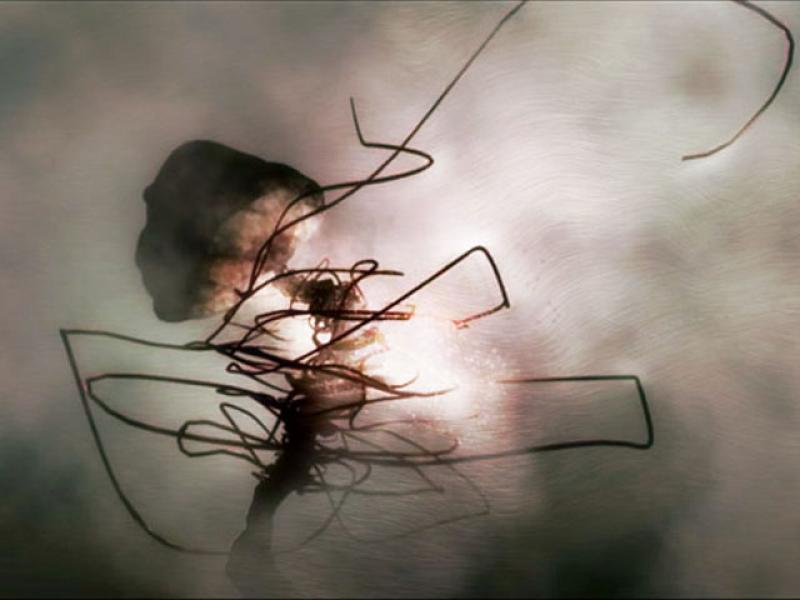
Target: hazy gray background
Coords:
[(560, 150)]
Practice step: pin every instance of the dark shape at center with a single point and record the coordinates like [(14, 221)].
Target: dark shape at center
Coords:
[(209, 211)]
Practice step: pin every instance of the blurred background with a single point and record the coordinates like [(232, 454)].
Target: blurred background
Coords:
[(559, 151)]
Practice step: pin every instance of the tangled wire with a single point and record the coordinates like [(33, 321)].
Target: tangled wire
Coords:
[(315, 398)]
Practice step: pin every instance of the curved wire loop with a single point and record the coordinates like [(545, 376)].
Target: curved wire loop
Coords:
[(303, 425)]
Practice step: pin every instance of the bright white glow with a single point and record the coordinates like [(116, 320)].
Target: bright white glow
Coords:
[(440, 357)]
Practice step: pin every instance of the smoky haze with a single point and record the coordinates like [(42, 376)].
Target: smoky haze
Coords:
[(559, 150)]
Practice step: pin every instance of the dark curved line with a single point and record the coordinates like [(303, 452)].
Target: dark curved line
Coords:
[(372, 179), (543, 448), (505, 303), (786, 68), (234, 351), (132, 511), (191, 346)]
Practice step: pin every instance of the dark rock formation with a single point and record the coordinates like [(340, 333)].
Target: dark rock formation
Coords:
[(209, 210)]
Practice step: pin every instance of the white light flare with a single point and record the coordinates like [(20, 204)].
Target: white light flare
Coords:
[(427, 350), (437, 356)]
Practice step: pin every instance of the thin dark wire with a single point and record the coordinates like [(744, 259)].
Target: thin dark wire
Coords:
[(182, 434), (132, 511), (784, 74), (373, 178), (648, 442), (255, 361)]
